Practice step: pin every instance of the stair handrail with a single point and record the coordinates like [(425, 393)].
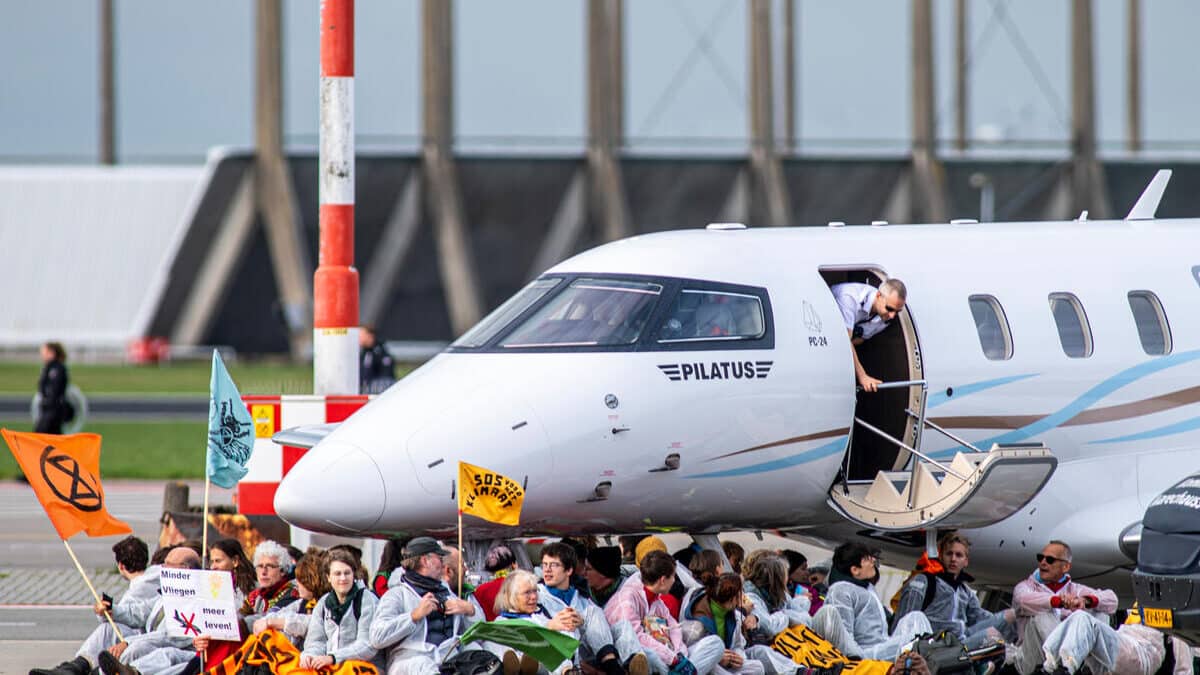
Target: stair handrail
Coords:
[(961, 441), (914, 451)]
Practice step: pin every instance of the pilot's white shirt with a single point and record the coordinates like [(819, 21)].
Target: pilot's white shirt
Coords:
[(855, 301)]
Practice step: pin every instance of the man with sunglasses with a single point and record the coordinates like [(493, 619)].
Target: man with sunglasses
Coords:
[(1045, 598), (866, 311)]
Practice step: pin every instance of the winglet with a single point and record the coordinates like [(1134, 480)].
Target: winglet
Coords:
[(1147, 204)]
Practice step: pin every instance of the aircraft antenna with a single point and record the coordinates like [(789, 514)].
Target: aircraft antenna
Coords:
[(1147, 204)]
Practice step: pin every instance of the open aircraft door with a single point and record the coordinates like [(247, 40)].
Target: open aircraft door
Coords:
[(886, 482)]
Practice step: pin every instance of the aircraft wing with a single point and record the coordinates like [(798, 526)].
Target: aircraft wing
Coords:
[(304, 436)]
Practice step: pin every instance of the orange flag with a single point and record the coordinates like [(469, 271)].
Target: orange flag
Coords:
[(64, 472)]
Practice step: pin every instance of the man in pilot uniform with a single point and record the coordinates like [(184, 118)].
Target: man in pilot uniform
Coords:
[(866, 311)]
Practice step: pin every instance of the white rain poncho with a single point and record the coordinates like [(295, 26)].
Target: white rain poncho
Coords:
[(854, 621)]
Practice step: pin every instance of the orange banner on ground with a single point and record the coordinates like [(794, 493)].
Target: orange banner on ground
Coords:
[(64, 472), (802, 645), (272, 649)]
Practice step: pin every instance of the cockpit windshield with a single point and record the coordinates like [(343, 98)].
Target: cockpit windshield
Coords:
[(504, 314), (589, 312)]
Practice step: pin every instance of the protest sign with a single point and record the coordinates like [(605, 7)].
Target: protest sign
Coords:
[(199, 602)]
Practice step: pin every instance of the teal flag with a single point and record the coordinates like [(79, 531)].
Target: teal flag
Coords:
[(549, 647), (230, 429)]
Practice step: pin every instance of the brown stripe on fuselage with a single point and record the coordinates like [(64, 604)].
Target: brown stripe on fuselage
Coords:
[(1113, 413), (1147, 406), (830, 433)]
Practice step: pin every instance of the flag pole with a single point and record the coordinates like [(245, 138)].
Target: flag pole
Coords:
[(204, 522), (92, 588), (461, 554)]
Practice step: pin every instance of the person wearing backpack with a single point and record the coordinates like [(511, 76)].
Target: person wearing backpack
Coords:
[(948, 602), (339, 629)]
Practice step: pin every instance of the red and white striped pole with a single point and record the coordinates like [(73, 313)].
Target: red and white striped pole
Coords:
[(335, 283)]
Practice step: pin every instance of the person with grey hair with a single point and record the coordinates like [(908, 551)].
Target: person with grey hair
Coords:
[(419, 619), (1047, 597), (276, 587), (866, 311)]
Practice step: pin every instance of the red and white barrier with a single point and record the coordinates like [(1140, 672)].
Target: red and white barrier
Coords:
[(270, 462)]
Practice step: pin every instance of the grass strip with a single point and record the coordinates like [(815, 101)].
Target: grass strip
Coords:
[(136, 449)]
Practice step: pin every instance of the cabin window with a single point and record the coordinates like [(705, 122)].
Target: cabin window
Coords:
[(503, 315), (1073, 330), (992, 326), (1151, 322), (698, 315), (587, 313)]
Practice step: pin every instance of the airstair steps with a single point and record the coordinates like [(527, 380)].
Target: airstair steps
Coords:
[(972, 490)]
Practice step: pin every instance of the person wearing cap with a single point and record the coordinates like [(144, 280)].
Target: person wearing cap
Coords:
[(603, 573), (418, 619)]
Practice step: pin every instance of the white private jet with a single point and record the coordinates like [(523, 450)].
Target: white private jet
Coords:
[(1043, 386)]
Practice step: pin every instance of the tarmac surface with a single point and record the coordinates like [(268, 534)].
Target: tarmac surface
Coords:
[(111, 407)]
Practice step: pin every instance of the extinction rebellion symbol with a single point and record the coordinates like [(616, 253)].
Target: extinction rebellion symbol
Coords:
[(58, 470)]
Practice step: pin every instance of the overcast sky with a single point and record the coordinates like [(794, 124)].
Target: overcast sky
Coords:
[(185, 74)]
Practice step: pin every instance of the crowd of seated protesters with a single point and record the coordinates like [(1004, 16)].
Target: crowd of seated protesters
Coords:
[(634, 609)]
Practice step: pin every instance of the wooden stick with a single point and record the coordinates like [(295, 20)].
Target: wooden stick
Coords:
[(461, 554), (92, 588)]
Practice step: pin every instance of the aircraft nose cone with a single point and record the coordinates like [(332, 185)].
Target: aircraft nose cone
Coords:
[(335, 486)]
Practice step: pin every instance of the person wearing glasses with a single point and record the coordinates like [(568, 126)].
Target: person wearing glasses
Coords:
[(559, 596), (1047, 597), (866, 311), (419, 619), (276, 587), (853, 618)]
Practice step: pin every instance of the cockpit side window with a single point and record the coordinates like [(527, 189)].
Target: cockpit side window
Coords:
[(590, 312), (706, 315), (503, 315)]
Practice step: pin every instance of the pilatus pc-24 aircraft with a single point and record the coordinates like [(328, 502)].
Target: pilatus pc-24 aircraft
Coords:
[(1043, 385)]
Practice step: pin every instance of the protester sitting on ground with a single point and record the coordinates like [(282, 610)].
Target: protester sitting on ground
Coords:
[(418, 620), (1083, 639), (228, 555), (714, 608), (683, 578), (153, 651), (339, 628), (581, 545), (160, 554), (797, 580), (639, 603), (500, 562), (389, 560), (519, 599), (704, 567), (735, 554), (949, 603), (853, 618), (456, 572), (1045, 598), (276, 588), (766, 587), (129, 613), (598, 644), (818, 576), (603, 573), (311, 583)]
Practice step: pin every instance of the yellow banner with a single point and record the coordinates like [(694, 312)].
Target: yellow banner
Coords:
[(802, 645), (489, 495), (271, 649)]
